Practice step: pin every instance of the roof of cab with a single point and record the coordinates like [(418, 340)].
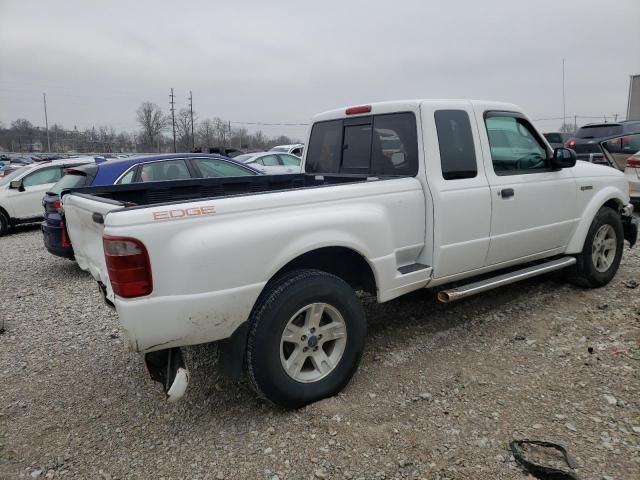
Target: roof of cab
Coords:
[(413, 105)]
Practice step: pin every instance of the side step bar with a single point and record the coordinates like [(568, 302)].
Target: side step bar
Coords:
[(453, 294)]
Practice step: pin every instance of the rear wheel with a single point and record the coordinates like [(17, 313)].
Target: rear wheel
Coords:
[(4, 223), (602, 251), (306, 338)]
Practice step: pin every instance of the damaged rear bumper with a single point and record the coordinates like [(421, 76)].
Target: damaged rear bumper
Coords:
[(169, 368)]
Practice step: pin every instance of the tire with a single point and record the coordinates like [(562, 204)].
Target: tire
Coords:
[(4, 224), (592, 273), (293, 304)]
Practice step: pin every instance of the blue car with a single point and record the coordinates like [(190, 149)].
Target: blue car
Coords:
[(176, 166)]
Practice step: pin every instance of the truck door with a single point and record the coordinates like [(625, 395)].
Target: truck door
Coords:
[(461, 199), (533, 208)]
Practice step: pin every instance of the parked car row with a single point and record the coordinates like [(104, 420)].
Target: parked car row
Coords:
[(160, 168)]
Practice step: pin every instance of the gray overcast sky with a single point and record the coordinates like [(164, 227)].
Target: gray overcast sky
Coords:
[(283, 61)]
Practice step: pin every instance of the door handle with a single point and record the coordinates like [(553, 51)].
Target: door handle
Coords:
[(506, 193)]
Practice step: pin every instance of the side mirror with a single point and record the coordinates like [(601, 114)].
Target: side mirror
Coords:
[(17, 184), (563, 158)]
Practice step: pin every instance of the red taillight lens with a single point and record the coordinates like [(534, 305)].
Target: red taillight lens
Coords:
[(570, 143), (64, 241), (359, 109), (57, 204), (633, 162), (128, 266)]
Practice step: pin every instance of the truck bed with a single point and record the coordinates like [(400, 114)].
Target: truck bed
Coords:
[(168, 192)]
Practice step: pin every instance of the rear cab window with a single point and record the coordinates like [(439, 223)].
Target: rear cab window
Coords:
[(72, 179), (599, 131), (455, 140), (372, 145)]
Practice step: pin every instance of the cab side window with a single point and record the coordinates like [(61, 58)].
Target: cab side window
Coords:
[(43, 177), (514, 144), (455, 139)]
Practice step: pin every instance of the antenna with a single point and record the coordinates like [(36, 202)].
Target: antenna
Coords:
[(564, 103)]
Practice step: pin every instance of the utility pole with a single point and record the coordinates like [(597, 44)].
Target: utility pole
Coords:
[(575, 123), (173, 121), (564, 103), (46, 121), (229, 132), (193, 138)]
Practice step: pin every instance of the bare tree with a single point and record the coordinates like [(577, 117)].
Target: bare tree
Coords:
[(567, 128), (183, 129), (152, 121), (204, 135)]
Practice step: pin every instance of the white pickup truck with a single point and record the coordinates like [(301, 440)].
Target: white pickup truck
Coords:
[(397, 196)]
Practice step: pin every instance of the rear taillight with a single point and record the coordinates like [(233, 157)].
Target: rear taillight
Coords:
[(57, 204), (570, 143), (64, 240), (633, 162), (128, 266)]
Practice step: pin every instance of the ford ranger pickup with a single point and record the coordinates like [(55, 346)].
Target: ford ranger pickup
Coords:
[(395, 197)]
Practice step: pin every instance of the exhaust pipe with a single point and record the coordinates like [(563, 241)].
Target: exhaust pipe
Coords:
[(453, 294)]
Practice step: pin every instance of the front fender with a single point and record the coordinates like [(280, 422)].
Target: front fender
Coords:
[(576, 242)]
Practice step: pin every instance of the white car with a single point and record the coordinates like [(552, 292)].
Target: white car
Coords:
[(272, 163), (632, 172), (22, 190), (623, 152), (395, 197), (296, 149)]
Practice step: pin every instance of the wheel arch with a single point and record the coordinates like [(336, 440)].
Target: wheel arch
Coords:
[(341, 261), (609, 197)]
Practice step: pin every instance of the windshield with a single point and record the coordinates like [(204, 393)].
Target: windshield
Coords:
[(72, 179), (279, 149), (6, 180), (599, 131)]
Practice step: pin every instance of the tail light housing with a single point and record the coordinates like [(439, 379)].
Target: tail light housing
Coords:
[(570, 143), (64, 240), (128, 266), (57, 204), (633, 162)]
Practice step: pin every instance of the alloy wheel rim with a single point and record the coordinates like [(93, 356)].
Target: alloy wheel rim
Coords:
[(313, 342), (603, 248)]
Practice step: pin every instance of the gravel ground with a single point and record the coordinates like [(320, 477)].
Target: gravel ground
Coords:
[(440, 393)]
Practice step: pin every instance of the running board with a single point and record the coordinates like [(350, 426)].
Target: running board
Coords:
[(453, 294)]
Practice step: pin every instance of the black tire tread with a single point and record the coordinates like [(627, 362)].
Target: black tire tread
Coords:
[(269, 296), (581, 274)]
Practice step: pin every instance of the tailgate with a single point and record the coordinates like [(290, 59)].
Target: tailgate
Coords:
[(84, 218)]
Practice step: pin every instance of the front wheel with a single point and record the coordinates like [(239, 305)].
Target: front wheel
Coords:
[(306, 338), (4, 224), (602, 251)]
